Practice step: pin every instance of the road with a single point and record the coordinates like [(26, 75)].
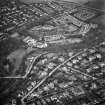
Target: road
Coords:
[(34, 1)]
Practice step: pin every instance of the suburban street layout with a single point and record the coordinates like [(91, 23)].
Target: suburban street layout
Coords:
[(52, 53)]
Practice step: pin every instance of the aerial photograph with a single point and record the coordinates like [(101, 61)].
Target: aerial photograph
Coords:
[(52, 52)]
